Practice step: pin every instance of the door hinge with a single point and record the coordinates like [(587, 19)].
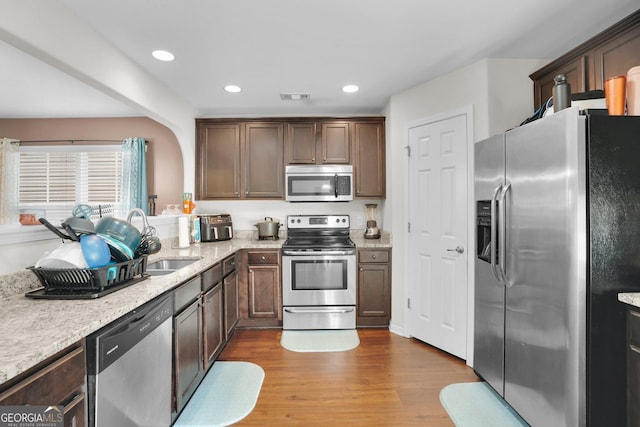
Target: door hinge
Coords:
[(408, 147), (409, 303)]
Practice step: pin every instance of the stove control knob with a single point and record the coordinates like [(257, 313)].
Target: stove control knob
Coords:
[(299, 221), (337, 220)]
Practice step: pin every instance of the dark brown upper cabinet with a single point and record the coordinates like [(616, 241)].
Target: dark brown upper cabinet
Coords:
[(611, 53), (218, 161), (263, 161), (318, 142), (245, 158), (369, 159), (237, 160)]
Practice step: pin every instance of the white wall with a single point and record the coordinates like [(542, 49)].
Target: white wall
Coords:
[(510, 92), (501, 94), (246, 213)]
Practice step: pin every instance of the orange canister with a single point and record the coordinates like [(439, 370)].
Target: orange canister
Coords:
[(615, 94), (633, 91)]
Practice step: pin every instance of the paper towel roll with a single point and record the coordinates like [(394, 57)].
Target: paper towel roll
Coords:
[(183, 232)]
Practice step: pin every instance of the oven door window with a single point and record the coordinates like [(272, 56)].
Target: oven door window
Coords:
[(318, 275), (316, 185)]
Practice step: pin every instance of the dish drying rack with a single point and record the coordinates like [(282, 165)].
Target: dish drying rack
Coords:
[(90, 279)]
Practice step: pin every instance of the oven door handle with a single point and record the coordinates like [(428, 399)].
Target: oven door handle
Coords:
[(319, 310), (319, 253)]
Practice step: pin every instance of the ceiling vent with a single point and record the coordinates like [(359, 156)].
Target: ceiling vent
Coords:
[(295, 96)]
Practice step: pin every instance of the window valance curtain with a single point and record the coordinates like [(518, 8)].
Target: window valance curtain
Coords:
[(10, 172), (134, 175)]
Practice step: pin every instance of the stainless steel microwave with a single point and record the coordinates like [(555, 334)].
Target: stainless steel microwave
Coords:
[(319, 183)]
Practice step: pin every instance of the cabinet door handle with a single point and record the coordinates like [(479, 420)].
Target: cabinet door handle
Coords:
[(70, 406), (263, 257), (361, 269), (373, 256)]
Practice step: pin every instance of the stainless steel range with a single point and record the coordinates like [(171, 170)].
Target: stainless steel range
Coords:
[(318, 273)]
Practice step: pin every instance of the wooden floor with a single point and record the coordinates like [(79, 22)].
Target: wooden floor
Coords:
[(387, 380)]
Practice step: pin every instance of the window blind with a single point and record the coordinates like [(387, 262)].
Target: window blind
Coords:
[(57, 177)]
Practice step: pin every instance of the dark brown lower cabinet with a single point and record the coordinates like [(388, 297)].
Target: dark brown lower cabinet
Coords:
[(199, 327), (264, 292), (260, 288), (213, 323), (374, 288), (188, 352), (230, 283), (60, 380)]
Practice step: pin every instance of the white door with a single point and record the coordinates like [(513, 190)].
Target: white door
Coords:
[(437, 234)]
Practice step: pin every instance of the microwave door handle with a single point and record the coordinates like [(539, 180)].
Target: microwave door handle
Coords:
[(335, 186)]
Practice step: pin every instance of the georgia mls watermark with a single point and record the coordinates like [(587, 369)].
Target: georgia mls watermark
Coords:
[(31, 416)]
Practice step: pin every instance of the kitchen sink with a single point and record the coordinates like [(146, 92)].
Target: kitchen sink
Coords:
[(168, 266)]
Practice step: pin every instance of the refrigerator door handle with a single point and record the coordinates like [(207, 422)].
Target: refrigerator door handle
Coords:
[(502, 257), (494, 235)]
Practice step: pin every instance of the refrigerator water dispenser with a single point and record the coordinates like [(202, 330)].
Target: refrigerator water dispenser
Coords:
[(483, 224)]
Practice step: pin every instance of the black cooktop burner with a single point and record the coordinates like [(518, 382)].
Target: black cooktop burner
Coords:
[(317, 233), (318, 243), (90, 293)]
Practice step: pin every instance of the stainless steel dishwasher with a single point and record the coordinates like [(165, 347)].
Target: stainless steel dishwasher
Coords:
[(129, 368)]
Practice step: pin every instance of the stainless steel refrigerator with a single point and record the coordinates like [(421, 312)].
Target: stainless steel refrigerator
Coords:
[(557, 237)]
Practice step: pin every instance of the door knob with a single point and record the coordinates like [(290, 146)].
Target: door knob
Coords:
[(458, 249)]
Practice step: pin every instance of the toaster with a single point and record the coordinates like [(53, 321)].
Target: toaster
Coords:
[(215, 227)]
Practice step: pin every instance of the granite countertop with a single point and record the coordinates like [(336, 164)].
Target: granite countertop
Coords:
[(361, 243), (632, 298), (35, 329)]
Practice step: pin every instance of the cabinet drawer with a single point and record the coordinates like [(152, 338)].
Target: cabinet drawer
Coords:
[(373, 256), (228, 265), (211, 277), (51, 385), (634, 328), (257, 258), (186, 293)]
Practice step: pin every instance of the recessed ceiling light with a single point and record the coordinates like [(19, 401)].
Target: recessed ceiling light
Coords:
[(232, 88), (350, 89), (163, 55)]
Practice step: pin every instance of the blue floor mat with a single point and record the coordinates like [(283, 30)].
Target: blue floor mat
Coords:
[(227, 394), (478, 405)]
